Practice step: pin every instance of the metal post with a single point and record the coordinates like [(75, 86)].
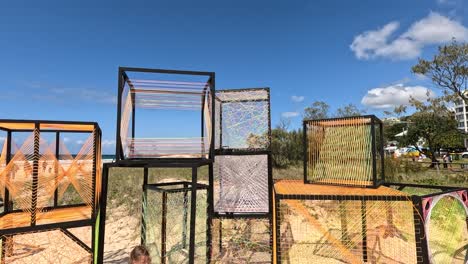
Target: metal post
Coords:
[(56, 167), (133, 95), (193, 215), (185, 218), (96, 142), (382, 152), (270, 200), (118, 141), (213, 90), (305, 149), (364, 230), (210, 212), (163, 227), (422, 251), (102, 214), (277, 229), (144, 205), (203, 121), (269, 118), (35, 174), (374, 158), (6, 201)]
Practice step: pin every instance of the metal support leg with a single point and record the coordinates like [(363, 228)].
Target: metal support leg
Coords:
[(185, 218), (144, 204), (163, 228), (364, 231), (193, 216)]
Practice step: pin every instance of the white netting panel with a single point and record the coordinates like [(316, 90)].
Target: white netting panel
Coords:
[(241, 184), (243, 122)]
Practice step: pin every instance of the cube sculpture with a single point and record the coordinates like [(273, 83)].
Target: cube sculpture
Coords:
[(327, 224), (149, 101), (166, 222), (242, 178), (343, 211), (50, 191), (443, 212), (344, 151), (150, 96)]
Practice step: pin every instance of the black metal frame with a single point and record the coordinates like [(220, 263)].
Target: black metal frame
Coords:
[(376, 180), (123, 78), (416, 200), (221, 151), (186, 187), (421, 236), (193, 186), (62, 226)]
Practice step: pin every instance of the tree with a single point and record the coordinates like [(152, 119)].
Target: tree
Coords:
[(321, 110), (434, 123), (448, 69), (318, 110), (349, 110)]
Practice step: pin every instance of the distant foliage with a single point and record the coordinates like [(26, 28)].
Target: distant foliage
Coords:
[(321, 110), (286, 147), (448, 69)]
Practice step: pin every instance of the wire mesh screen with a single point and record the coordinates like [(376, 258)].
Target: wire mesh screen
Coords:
[(241, 240), (243, 121), (331, 231), (241, 184), (333, 224), (167, 213), (42, 173), (340, 151), (446, 223), (51, 246), (161, 98)]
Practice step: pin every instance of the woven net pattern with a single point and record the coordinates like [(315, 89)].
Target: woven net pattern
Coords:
[(241, 240), (332, 224), (241, 184), (243, 120), (340, 151), (166, 96), (167, 221), (48, 247), (53, 173), (446, 223)]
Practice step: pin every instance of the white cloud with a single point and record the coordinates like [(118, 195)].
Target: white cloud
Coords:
[(371, 40), (289, 114), (108, 143), (394, 95), (297, 98), (431, 30), (66, 139), (45, 91)]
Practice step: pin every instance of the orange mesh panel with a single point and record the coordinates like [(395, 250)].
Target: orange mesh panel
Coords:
[(340, 151), (297, 187)]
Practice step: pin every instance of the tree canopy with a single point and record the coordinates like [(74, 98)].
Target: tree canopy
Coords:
[(434, 123), (448, 69), (321, 110)]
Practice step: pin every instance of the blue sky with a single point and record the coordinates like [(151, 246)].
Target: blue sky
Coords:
[(59, 60)]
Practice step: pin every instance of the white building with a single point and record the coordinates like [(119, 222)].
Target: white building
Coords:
[(461, 115)]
